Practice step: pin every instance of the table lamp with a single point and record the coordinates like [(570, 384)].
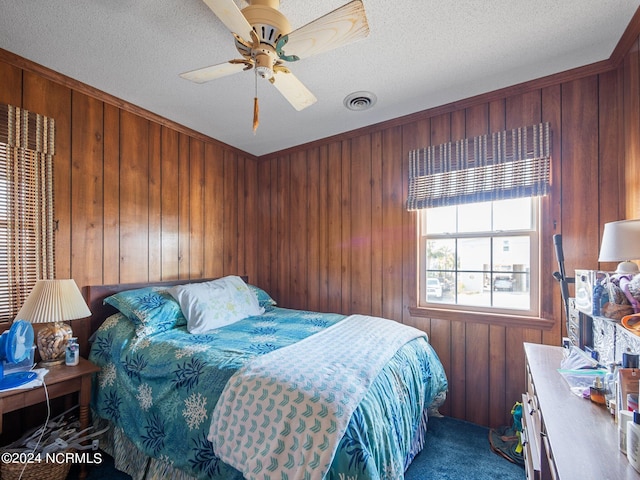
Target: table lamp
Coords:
[(621, 243), (53, 302)]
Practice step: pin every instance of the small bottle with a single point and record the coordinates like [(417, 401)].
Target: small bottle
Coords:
[(633, 441), (597, 392), (72, 356), (610, 380)]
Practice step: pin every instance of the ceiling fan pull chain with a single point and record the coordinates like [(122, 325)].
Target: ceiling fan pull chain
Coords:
[(256, 109)]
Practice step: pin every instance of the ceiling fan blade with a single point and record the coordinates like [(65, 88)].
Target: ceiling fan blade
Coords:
[(231, 16), (206, 74), (293, 90), (343, 25)]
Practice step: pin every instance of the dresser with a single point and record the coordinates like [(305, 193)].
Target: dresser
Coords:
[(564, 436)]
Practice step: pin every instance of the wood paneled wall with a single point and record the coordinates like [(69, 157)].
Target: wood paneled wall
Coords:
[(139, 198)]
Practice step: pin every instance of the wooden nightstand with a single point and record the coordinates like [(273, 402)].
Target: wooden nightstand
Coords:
[(61, 380)]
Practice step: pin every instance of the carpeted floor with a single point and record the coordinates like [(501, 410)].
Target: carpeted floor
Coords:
[(458, 450), (455, 450)]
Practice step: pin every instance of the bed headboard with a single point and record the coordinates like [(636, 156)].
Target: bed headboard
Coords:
[(95, 295)]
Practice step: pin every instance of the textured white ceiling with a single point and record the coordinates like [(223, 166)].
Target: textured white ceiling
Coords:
[(419, 54)]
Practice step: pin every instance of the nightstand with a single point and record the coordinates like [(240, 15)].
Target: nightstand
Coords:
[(61, 380)]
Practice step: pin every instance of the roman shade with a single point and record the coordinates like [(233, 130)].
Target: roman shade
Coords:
[(509, 164), (26, 205)]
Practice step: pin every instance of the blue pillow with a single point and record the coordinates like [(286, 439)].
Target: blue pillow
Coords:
[(264, 300), (150, 309)]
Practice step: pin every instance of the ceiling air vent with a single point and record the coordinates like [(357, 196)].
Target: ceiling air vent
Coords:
[(359, 101)]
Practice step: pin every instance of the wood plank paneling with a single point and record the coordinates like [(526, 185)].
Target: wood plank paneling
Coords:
[(184, 207), (392, 215), (196, 210), (134, 198), (580, 173), (283, 247), (360, 235), (313, 227), (241, 198), (249, 214), (155, 202), (213, 208), (11, 91), (377, 228), (298, 218), (170, 204), (111, 220), (334, 228), (345, 229), (87, 190), (230, 212), (323, 228)]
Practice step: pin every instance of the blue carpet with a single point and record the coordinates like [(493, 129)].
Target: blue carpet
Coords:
[(455, 450), (458, 450)]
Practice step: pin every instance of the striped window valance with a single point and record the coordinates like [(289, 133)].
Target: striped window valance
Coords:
[(508, 164), (26, 205)]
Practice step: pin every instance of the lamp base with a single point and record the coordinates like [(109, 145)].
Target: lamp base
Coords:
[(52, 343), (50, 363)]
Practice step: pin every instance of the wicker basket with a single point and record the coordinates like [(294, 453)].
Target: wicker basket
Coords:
[(35, 471)]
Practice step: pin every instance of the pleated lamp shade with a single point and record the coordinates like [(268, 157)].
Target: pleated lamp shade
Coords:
[(53, 302)]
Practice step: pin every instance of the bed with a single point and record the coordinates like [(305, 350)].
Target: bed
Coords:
[(278, 393)]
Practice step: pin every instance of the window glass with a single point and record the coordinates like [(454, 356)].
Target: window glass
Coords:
[(480, 256), (475, 217)]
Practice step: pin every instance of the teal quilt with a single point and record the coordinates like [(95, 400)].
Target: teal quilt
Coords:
[(161, 389)]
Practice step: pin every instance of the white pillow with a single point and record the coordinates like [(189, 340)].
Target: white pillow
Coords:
[(214, 304)]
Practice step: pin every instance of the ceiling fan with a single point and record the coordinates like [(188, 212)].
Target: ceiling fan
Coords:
[(264, 38)]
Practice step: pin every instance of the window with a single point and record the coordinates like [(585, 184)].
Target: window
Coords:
[(26, 205), (480, 256), (477, 201)]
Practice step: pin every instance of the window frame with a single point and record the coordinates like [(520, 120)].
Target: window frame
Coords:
[(510, 317)]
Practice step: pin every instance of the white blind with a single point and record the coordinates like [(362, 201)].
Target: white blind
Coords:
[(509, 164), (26, 205)]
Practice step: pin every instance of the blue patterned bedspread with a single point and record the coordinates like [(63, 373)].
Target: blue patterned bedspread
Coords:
[(161, 390)]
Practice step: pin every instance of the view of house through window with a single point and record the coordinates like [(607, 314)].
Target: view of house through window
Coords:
[(480, 255)]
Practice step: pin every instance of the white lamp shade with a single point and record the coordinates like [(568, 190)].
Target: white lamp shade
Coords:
[(54, 301), (620, 241)]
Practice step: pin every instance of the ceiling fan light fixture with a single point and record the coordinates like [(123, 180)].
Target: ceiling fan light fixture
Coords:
[(264, 65), (264, 72), (359, 101)]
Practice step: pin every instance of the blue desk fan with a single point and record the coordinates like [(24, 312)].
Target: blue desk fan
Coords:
[(15, 347)]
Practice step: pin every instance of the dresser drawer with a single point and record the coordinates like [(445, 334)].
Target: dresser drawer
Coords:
[(530, 439)]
